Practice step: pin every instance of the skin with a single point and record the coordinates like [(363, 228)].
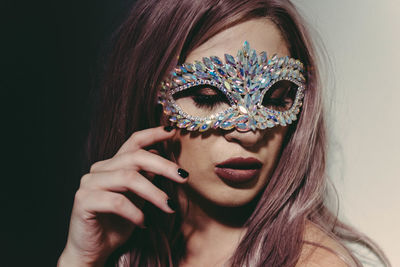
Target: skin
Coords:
[(218, 145), (217, 209), (102, 217)]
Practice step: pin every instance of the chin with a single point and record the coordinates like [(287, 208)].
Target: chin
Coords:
[(233, 203), (225, 196)]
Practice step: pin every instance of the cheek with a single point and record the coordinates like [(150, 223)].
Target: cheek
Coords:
[(189, 152), (191, 148), (197, 154), (279, 141), (272, 148)]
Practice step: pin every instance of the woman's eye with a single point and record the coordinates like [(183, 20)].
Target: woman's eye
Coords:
[(277, 102), (208, 100), (280, 96), (205, 97), (201, 101)]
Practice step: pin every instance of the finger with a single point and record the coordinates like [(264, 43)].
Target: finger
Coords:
[(127, 180), (117, 162), (150, 175), (142, 160), (146, 137), (95, 202)]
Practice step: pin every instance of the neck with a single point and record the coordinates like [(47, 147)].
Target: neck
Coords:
[(212, 232)]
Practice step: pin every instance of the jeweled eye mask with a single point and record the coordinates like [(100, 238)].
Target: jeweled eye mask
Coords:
[(248, 92)]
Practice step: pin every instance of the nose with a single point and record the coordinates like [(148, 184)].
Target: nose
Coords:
[(249, 139)]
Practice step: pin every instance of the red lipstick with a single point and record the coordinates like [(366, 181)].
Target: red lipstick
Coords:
[(238, 170)]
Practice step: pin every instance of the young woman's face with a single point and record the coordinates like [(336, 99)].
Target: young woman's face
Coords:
[(229, 168)]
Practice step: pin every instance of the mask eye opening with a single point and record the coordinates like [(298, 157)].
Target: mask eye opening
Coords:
[(201, 100), (280, 95)]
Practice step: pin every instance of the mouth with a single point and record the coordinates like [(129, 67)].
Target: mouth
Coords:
[(239, 170)]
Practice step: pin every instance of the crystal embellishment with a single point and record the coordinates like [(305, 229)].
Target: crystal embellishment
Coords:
[(244, 80)]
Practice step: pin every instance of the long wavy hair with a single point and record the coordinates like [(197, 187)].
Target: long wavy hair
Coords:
[(155, 37)]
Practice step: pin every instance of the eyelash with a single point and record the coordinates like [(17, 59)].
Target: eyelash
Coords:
[(279, 102), (208, 101)]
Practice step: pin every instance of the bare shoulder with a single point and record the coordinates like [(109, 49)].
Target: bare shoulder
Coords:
[(322, 250)]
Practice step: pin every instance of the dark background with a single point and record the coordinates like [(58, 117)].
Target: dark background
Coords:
[(51, 56)]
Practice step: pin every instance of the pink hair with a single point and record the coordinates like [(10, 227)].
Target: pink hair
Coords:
[(146, 47)]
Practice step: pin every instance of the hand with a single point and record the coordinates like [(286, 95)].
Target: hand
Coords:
[(102, 216)]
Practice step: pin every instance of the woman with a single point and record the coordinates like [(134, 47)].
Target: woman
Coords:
[(237, 175)]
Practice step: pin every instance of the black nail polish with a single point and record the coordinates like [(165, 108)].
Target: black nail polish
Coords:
[(171, 204), (182, 173), (168, 128)]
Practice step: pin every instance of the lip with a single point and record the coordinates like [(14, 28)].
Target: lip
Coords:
[(239, 170)]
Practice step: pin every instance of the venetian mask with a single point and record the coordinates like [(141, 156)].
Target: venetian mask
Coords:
[(248, 92)]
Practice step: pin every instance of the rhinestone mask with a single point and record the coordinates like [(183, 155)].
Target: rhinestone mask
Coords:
[(240, 93)]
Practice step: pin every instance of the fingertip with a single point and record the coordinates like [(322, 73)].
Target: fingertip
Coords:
[(182, 173), (171, 204), (169, 128), (169, 211)]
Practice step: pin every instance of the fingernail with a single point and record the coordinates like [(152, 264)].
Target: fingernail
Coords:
[(182, 173), (171, 204), (168, 128)]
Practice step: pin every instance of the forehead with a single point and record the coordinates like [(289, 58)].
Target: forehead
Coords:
[(262, 34)]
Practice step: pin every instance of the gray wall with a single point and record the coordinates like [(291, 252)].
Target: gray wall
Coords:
[(362, 38)]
